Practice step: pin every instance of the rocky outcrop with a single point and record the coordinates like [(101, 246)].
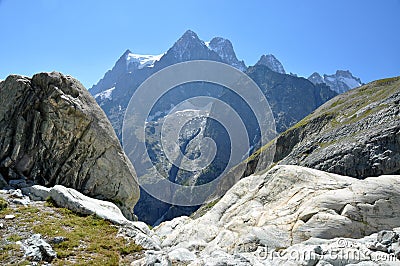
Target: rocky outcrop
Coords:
[(355, 134), (53, 132), (36, 249), (281, 208)]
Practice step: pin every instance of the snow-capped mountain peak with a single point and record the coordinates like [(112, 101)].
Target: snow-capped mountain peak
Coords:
[(341, 81), (190, 47), (271, 62), (140, 61), (346, 77)]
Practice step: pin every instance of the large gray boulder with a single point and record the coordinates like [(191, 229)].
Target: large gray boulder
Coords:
[(53, 132), (73, 200)]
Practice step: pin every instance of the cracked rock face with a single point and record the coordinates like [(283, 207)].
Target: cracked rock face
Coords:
[(53, 132), (355, 134)]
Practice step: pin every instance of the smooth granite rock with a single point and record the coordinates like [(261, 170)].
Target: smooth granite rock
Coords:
[(285, 206)]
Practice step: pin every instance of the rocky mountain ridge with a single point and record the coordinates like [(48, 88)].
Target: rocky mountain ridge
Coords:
[(290, 98), (190, 47)]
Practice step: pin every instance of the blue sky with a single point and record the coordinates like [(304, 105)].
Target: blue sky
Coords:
[(84, 38)]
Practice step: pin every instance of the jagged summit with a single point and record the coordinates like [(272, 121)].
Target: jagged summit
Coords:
[(316, 78), (224, 48), (126, 53), (189, 37), (190, 47), (270, 61), (190, 34)]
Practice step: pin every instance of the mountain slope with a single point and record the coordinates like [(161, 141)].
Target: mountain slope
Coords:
[(356, 134)]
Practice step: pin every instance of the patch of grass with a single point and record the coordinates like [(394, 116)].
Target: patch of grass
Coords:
[(386, 81), (301, 123), (89, 236), (14, 238), (323, 145), (3, 204), (130, 248), (28, 210), (257, 153), (50, 202), (338, 102), (89, 240), (212, 204), (204, 209), (10, 251)]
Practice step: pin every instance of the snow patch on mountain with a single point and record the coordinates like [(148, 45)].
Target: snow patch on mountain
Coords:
[(351, 82), (107, 94), (141, 60)]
